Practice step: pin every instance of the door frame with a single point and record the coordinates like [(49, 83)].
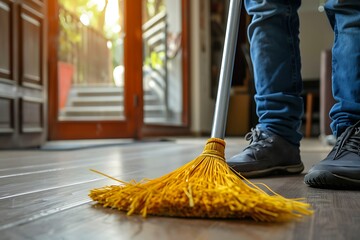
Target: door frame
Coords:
[(134, 127), (133, 103)]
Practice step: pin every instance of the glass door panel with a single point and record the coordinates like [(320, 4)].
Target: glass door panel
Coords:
[(162, 62), (91, 60)]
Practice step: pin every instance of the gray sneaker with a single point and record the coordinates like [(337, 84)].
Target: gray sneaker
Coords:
[(341, 168), (267, 154)]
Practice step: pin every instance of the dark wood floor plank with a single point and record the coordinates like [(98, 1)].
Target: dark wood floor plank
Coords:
[(23, 209), (149, 166), (110, 224), (25, 159), (37, 188)]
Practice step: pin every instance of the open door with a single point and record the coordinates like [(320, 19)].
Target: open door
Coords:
[(121, 68), (95, 52)]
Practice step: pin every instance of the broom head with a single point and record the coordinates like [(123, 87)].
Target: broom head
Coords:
[(205, 187)]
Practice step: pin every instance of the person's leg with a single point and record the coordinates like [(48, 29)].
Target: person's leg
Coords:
[(344, 17), (341, 168), (274, 48)]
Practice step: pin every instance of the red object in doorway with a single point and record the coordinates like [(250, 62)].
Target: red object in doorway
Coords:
[(65, 74)]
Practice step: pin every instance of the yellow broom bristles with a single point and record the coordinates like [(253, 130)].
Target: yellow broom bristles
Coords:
[(206, 187)]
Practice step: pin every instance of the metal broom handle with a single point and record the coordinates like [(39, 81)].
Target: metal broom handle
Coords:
[(226, 71)]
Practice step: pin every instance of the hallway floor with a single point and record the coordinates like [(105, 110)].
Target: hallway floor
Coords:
[(43, 195)]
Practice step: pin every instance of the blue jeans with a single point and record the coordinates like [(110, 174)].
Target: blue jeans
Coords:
[(274, 48)]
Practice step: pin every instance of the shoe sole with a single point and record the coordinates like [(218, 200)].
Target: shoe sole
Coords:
[(325, 179), (278, 170)]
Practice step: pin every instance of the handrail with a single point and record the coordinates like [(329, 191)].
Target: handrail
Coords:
[(155, 44), (77, 46), (161, 16)]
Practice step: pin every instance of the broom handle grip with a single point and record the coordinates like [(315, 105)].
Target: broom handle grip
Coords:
[(226, 71)]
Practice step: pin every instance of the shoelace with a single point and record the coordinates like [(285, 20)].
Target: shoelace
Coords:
[(257, 138), (350, 141), (253, 136)]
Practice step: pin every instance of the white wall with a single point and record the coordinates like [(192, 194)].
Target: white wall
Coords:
[(315, 35)]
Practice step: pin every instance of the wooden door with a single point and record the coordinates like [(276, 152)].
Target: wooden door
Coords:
[(23, 79), (99, 118)]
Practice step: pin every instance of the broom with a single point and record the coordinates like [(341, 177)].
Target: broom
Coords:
[(205, 187)]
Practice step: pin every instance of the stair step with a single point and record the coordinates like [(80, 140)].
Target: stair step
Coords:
[(156, 120), (90, 118), (97, 101), (152, 108), (97, 91), (94, 111), (154, 111), (152, 100), (98, 94), (108, 101), (102, 91)]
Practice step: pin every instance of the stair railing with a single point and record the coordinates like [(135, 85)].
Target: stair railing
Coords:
[(155, 55)]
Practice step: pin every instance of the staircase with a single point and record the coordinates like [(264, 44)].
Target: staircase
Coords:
[(107, 103)]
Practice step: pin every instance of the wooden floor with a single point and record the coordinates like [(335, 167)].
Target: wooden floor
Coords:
[(43, 195)]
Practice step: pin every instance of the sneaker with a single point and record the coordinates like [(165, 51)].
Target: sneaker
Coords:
[(341, 168), (267, 154)]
